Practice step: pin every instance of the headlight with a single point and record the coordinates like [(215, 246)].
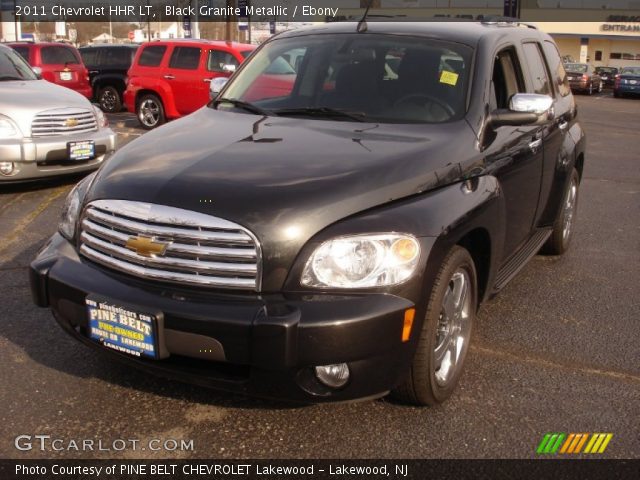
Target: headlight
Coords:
[(71, 210), (8, 129), (101, 118), (361, 261)]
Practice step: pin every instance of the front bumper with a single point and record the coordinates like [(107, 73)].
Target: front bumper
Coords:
[(260, 345), (628, 89), (47, 156)]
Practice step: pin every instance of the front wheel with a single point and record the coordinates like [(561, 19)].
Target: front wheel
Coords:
[(560, 238), (446, 333), (150, 111)]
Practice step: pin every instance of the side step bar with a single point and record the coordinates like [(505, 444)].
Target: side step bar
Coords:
[(520, 259)]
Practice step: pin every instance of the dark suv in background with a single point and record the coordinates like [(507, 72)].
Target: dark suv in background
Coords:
[(108, 66)]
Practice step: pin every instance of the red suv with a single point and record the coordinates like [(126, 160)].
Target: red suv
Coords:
[(58, 63), (169, 79)]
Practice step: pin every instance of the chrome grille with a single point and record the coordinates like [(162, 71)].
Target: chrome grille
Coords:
[(63, 121), (200, 249)]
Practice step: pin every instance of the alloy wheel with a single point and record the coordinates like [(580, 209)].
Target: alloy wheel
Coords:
[(569, 210), (149, 113), (454, 328)]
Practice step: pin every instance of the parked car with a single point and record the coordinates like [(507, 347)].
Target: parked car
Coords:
[(607, 75), (45, 129), (627, 82), (583, 78), (336, 241), (108, 66), (57, 63), (170, 79)]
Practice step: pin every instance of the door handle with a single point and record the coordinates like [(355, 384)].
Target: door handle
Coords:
[(169, 77), (207, 80), (93, 71), (535, 145), (563, 125)]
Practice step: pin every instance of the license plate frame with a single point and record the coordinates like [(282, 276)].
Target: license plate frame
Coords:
[(128, 329), (66, 76), (81, 150)]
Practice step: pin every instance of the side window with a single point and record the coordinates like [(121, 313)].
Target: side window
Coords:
[(115, 57), (535, 62), (58, 56), (557, 68), (186, 58), (152, 56), (23, 52), (507, 78), (218, 59)]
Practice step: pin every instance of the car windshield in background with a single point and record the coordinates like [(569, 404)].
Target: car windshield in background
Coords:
[(355, 77), (576, 67), (630, 71), (13, 66)]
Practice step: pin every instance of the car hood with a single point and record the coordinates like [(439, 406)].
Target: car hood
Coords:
[(285, 179), (22, 100)]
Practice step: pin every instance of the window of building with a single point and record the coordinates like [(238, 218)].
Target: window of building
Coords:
[(598, 56)]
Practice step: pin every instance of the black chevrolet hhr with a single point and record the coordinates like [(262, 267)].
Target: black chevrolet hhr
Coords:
[(328, 230)]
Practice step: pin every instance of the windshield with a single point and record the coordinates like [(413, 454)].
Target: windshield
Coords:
[(13, 66), (630, 71), (575, 67), (355, 77)]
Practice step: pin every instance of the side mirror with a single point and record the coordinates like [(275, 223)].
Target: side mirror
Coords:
[(216, 86), (524, 109), (229, 68), (38, 72)]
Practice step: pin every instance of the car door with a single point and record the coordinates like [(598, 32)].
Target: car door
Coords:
[(185, 79), (515, 155), (558, 144)]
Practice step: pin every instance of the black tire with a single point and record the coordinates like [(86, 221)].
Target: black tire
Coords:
[(150, 111), (109, 99), (426, 383), (560, 239)]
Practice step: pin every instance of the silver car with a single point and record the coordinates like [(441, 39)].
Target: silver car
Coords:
[(46, 129)]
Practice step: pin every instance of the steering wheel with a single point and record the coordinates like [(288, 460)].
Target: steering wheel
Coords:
[(424, 99)]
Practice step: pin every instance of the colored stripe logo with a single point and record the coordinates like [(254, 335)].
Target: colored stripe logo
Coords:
[(554, 443)]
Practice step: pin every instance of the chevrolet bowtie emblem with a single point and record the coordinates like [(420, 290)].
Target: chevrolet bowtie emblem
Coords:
[(146, 246), (71, 122)]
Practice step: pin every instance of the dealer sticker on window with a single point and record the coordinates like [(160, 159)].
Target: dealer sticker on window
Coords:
[(450, 78), (122, 329)]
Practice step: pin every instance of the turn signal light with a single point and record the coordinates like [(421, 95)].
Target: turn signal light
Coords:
[(409, 316)]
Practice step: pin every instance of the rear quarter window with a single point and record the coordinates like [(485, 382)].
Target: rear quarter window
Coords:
[(152, 56), (58, 56)]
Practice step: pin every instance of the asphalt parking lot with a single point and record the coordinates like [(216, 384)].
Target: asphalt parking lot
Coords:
[(557, 351)]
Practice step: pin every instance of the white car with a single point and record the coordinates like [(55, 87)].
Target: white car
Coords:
[(45, 129)]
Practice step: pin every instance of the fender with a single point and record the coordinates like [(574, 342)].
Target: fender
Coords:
[(163, 90), (440, 218)]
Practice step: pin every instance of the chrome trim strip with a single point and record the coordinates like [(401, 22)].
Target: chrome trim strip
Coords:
[(235, 261), (161, 231), (179, 263), (162, 275), (198, 251)]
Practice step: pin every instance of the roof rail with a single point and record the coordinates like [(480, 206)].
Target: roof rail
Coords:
[(505, 21)]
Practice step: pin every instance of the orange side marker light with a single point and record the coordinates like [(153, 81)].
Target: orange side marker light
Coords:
[(409, 315)]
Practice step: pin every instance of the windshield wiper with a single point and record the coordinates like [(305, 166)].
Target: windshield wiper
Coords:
[(322, 112), (249, 107)]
